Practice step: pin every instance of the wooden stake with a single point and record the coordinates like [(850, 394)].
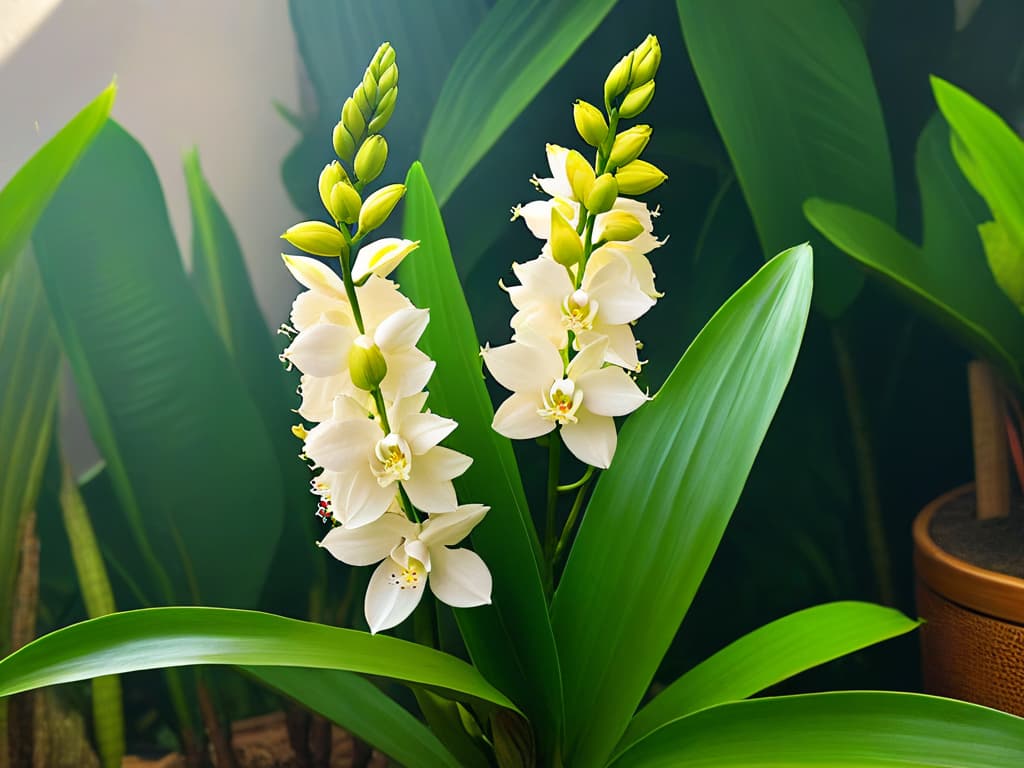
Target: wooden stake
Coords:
[(988, 429)]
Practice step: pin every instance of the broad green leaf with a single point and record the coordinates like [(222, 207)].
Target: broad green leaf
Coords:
[(994, 156), (336, 41), (29, 364), (155, 638), (799, 115), (513, 53), (184, 445), (768, 656), (359, 706), (510, 641), (24, 198), (859, 728), (947, 278), (658, 514)]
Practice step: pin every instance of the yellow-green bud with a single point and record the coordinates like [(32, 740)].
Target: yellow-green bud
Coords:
[(602, 194), (384, 111), (344, 202), (580, 174), (317, 237), (620, 226), (379, 206), (646, 59), (369, 88), (629, 144), (344, 143), (638, 177), (590, 123), (566, 246), (370, 158), (384, 57), (366, 364), (352, 117), (332, 174), (636, 101), (365, 108), (618, 79), (388, 79)]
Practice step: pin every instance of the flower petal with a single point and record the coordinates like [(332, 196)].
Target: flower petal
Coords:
[(318, 395), (311, 307), (321, 349), (316, 276), (402, 329), (618, 295), (430, 494), (537, 215), (379, 299), (393, 593), (422, 431), (449, 528), (408, 373), (460, 578), (367, 544), (381, 257), (442, 463), (341, 446), (639, 265), (591, 439), (610, 392), (366, 501), (621, 345), (517, 417), (530, 363), (558, 184), (589, 358)]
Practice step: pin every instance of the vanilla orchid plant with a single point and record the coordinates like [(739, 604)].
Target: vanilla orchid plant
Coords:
[(413, 473)]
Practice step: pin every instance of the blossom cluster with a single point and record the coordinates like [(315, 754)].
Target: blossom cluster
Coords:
[(383, 480), (572, 357)]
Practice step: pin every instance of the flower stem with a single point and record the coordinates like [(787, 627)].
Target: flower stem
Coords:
[(574, 513), (582, 481), (350, 290), (554, 460)]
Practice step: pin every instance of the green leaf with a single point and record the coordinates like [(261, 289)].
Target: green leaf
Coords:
[(510, 641), (800, 116), (155, 638), (658, 514), (861, 728), (516, 50), (29, 365), (184, 445), (25, 197), (359, 706), (948, 278), (768, 656)]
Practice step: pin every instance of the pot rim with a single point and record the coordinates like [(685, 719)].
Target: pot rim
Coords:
[(995, 594)]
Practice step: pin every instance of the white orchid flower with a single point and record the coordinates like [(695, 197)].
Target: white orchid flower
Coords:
[(412, 556), (580, 399), (381, 257), (607, 300), (365, 465)]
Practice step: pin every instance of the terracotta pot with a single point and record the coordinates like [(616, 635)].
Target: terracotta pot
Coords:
[(972, 642)]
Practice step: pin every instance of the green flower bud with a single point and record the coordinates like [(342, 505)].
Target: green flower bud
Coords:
[(379, 206), (580, 174), (629, 144), (353, 119), (636, 101), (363, 103), (620, 226), (344, 202), (371, 157), (566, 246), (638, 177), (383, 58), (388, 79), (618, 79), (602, 194), (369, 89), (590, 123), (344, 143), (317, 238), (366, 364), (384, 111), (332, 174), (646, 59)]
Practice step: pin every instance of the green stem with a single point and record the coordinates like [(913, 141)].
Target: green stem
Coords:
[(350, 290), (574, 513), (582, 481), (554, 460), (878, 548)]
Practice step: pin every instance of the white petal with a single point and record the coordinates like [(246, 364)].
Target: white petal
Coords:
[(430, 494), (542, 280), (392, 594), (367, 500), (318, 395), (589, 358), (378, 300), (341, 446), (537, 215), (416, 550), (610, 392), (530, 363), (322, 349), (460, 578), (449, 528), (408, 373), (425, 430), (442, 463), (312, 307), (591, 439), (316, 276), (558, 184), (618, 295), (367, 544), (621, 345), (381, 257), (517, 417), (639, 265), (402, 329)]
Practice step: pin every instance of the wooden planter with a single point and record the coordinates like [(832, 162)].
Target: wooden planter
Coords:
[(972, 642)]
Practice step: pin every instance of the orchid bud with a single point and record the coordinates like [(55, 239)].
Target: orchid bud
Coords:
[(646, 59), (566, 246), (590, 123), (602, 194), (638, 177), (344, 143), (618, 78), (344, 202), (636, 101), (580, 174), (370, 158), (384, 111), (332, 174), (378, 207), (317, 237), (381, 257), (352, 117), (629, 144), (620, 226), (366, 364)]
